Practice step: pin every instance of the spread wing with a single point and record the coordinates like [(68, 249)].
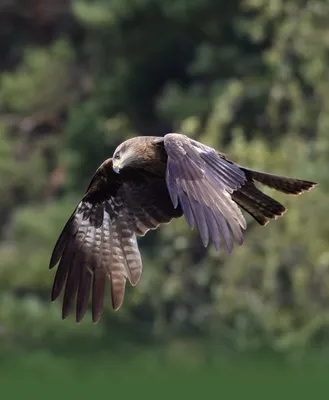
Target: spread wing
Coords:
[(201, 182), (99, 240)]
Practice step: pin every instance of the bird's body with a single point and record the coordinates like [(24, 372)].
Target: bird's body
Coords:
[(150, 181)]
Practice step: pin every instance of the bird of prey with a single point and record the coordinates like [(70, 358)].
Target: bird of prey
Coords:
[(149, 181)]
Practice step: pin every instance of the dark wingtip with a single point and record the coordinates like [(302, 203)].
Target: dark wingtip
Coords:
[(79, 317), (53, 260), (83, 294), (56, 291), (67, 304), (118, 285), (53, 296), (115, 305), (99, 282), (59, 246), (239, 240), (96, 318), (228, 248), (65, 313)]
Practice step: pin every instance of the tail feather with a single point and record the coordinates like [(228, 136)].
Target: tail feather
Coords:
[(260, 206), (281, 183)]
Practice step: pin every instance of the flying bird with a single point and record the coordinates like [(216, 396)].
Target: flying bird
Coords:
[(149, 181)]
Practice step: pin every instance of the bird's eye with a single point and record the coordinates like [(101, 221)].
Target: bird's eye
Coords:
[(117, 156)]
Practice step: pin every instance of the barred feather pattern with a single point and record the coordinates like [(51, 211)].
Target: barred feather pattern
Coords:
[(99, 243), (100, 240)]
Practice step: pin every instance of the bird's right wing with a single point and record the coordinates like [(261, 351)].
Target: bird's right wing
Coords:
[(97, 242), (201, 182)]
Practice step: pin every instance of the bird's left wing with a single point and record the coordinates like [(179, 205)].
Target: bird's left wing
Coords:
[(201, 181)]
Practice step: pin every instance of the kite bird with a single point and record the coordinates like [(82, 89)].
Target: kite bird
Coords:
[(148, 182)]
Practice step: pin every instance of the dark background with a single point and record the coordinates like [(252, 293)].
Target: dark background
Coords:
[(247, 77)]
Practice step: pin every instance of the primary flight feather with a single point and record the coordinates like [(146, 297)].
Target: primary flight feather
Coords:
[(149, 181)]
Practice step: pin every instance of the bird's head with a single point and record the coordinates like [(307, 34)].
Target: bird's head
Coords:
[(123, 156), (138, 152), (130, 154)]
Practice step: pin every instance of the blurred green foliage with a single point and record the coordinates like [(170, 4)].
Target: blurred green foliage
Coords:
[(40, 80), (247, 77), (43, 374)]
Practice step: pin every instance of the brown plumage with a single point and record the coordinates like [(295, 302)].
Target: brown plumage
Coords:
[(150, 181)]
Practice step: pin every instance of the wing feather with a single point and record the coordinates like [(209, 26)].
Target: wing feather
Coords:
[(186, 207), (99, 242), (98, 294), (224, 230), (71, 288), (61, 243), (83, 293), (62, 271), (213, 226), (201, 182)]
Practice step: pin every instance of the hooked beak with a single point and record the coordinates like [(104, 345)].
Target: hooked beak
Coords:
[(116, 166)]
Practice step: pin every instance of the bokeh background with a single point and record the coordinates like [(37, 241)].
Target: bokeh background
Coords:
[(249, 77)]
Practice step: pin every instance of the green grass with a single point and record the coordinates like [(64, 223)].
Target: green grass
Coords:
[(41, 375)]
